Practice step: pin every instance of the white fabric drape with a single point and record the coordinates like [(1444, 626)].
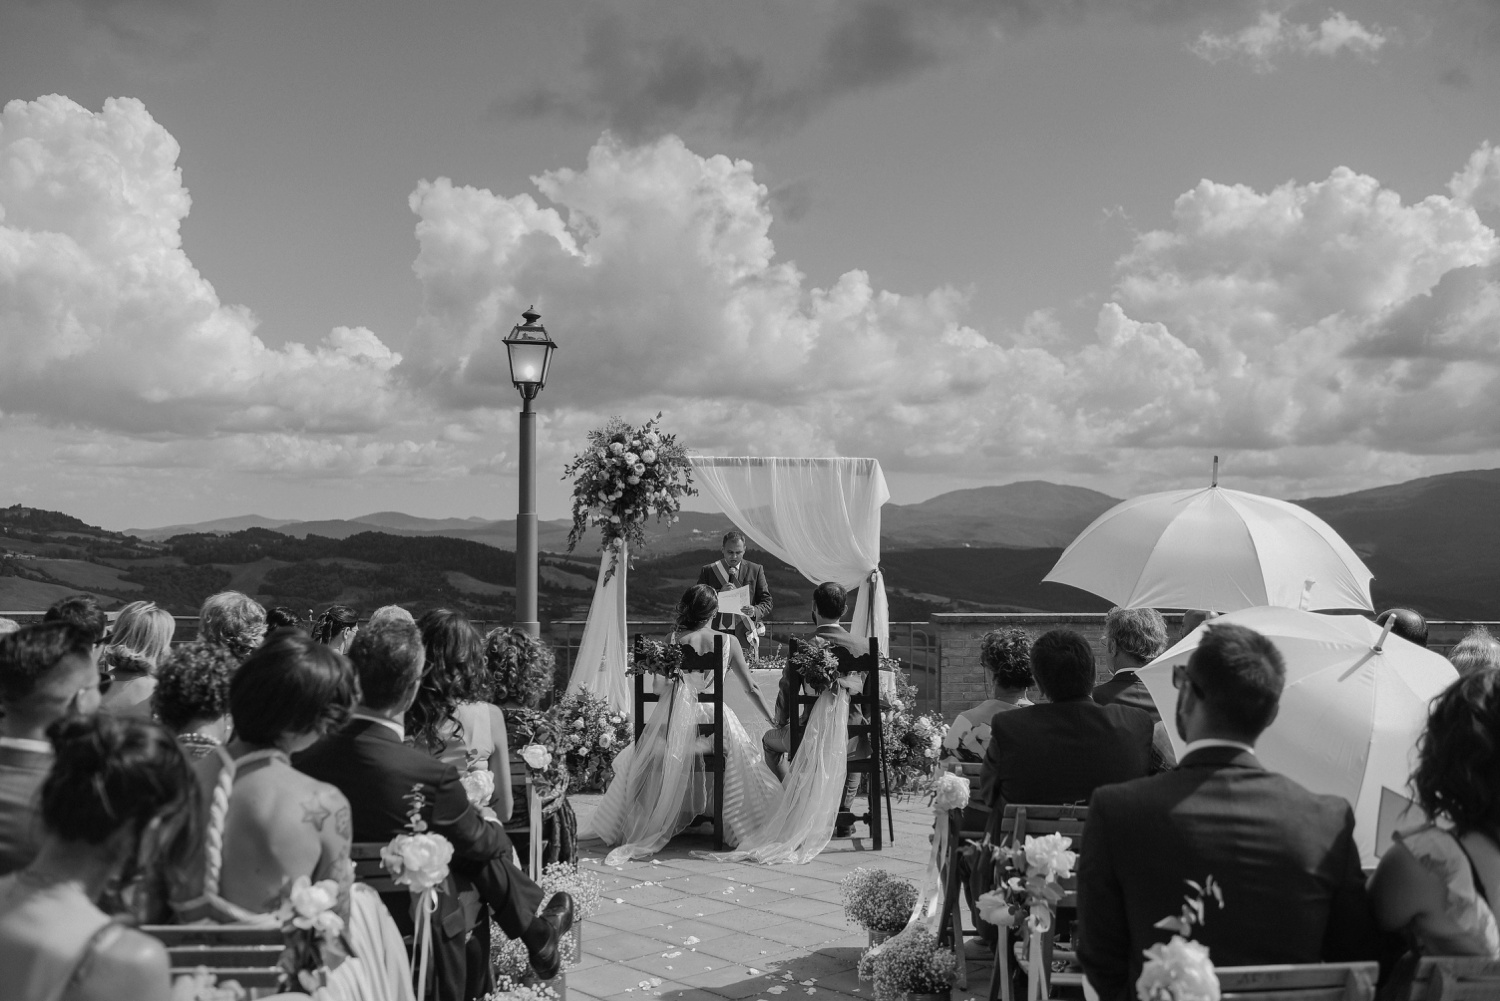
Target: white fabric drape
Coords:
[(820, 515), (600, 665)]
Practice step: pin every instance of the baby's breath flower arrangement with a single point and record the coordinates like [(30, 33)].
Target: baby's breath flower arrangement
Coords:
[(510, 990), (626, 476), (589, 735), (877, 901), (910, 963)]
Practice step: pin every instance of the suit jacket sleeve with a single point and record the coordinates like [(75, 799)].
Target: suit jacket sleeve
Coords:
[(1352, 933), (989, 784), (454, 818), (707, 576), (1103, 929), (760, 595)]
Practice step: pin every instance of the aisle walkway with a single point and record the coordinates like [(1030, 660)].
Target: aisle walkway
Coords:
[(685, 929)]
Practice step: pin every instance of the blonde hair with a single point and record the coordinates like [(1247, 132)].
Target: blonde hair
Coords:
[(141, 636)]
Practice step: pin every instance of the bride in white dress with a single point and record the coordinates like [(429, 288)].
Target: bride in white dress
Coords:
[(660, 785)]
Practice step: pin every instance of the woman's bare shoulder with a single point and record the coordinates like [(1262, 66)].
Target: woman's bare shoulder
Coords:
[(131, 966)]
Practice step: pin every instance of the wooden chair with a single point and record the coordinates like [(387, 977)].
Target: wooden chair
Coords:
[(369, 870), (1310, 982), (870, 754), (1443, 978), (1018, 821), (713, 760), (524, 790), (249, 956), (964, 826)]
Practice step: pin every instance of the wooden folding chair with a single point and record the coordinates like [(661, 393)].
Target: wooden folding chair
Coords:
[(1444, 978), (1306, 982), (1011, 957), (249, 956), (713, 761), (869, 756), (963, 826), (523, 789)]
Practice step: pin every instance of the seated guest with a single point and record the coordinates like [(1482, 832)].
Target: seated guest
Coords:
[(1006, 657), (1134, 637), (115, 785), (232, 620), (1439, 884), (369, 762), (8, 626), (1060, 750), (1477, 651), (1406, 623), (192, 696), (389, 613), (336, 627), (452, 717), (141, 637), (282, 617), (84, 613), (1284, 858), (46, 673)]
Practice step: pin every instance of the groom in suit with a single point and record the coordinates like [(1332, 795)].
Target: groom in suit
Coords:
[(1284, 858), (370, 764), (730, 571)]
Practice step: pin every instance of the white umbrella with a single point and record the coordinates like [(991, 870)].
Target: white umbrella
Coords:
[(1217, 550), (1351, 712)]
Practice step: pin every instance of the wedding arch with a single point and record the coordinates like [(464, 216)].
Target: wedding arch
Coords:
[(821, 515)]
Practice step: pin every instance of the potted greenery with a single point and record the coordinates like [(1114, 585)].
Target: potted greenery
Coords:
[(878, 902), (910, 967)]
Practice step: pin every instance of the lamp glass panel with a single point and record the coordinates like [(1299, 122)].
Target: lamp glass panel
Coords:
[(528, 361)]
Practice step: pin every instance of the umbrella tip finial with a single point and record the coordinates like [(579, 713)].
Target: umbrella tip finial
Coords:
[(1386, 631), (1216, 472)]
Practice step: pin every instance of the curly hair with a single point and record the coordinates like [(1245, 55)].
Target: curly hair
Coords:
[(193, 684), (1139, 632), (1458, 755), (454, 673), (233, 619), (521, 666), (1006, 655)]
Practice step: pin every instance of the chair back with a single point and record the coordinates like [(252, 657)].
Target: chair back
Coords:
[(713, 760), (523, 789), (369, 870), (1021, 819), (976, 816), (251, 956), (867, 701), (1445, 978), (1309, 982)]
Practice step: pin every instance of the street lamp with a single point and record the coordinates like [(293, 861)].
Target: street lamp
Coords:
[(530, 351)]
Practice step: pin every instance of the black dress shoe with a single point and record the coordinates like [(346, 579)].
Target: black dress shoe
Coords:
[(558, 917), (843, 831)]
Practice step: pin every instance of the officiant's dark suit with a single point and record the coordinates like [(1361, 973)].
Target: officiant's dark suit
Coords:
[(730, 571), (1284, 858), (1060, 751)]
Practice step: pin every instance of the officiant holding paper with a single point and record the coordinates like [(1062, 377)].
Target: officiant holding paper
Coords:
[(738, 580)]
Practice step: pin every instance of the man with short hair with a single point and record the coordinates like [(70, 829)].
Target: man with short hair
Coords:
[(1477, 651), (732, 571), (1134, 637), (1283, 858), (46, 672), (1060, 750), (85, 615), (389, 613), (369, 763), (1407, 623)]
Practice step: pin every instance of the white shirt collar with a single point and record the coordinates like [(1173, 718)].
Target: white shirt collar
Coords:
[(389, 724), (1205, 742), (27, 744)]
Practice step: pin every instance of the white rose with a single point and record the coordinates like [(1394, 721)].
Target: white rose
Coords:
[(479, 786), (1179, 969), (616, 448), (423, 860), (632, 480), (309, 899), (994, 908), (950, 792), (651, 439), (536, 756), (328, 924), (648, 456), (640, 470), (1049, 856), (631, 458), (606, 739)]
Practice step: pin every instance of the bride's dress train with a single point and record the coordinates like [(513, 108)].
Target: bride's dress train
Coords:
[(660, 785)]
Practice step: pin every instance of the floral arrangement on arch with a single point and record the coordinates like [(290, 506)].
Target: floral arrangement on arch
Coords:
[(910, 963), (310, 923), (815, 662), (590, 734), (656, 658), (626, 476), (877, 901), (1180, 970), (912, 742)]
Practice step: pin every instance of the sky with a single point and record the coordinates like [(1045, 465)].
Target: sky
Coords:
[(257, 256)]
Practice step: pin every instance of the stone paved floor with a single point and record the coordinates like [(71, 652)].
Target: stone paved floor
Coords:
[(687, 929)]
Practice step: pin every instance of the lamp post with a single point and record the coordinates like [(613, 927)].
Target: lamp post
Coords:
[(530, 352)]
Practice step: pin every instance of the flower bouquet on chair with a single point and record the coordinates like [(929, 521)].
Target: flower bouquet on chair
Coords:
[(419, 861), (1180, 970), (815, 663), (309, 925), (1028, 894), (655, 658)]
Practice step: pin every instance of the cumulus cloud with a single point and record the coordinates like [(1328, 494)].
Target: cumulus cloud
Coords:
[(105, 322), (1274, 35), (302, 457), (1321, 322)]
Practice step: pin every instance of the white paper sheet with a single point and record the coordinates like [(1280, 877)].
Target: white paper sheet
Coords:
[(730, 602)]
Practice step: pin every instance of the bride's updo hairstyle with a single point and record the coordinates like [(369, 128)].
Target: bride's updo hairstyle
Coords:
[(110, 772), (698, 605), (334, 620)]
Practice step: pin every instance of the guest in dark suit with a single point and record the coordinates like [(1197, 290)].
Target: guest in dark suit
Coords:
[(1060, 750), (1407, 623), (1284, 858), (375, 770), (730, 571), (1134, 637), (47, 672)]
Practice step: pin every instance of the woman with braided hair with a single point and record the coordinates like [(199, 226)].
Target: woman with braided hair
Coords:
[(336, 627), (120, 793)]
